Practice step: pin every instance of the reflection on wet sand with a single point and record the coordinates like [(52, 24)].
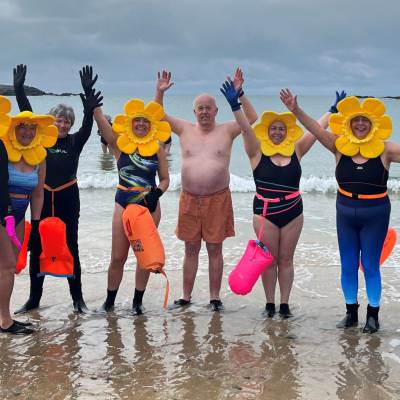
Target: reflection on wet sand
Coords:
[(195, 354), (363, 371)]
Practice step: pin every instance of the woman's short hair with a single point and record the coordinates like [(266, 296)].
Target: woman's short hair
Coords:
[(64, 111)]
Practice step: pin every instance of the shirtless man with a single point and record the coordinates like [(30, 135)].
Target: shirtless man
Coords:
[(205, 206)]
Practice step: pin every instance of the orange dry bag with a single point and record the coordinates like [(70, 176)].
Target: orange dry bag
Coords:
[(145, 240), (23, 253), (56, 259), (388, 246)]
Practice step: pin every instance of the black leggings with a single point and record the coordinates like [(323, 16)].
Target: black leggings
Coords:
[(67, 207)]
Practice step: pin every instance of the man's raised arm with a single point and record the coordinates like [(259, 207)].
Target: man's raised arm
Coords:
[(162, 85)]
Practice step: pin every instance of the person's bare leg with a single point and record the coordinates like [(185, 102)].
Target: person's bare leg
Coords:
[(119, 250), (119, 254), (289, 238), (215, 268), (190, 266), (270, 237), (7, 270)]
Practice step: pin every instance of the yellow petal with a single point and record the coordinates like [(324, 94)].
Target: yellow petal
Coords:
[(384, 127), (287, 118), (345, 147), (43, 120), (261, 132), (13, 154), (5, 105), (119, 124), (134, 106), (5, 121), (286, 150), (163, 131), (123, 140), (349, 106), (129, 148), (374, 106), (155, 110), (267, 149), (337, 124), (148, 149), (49, 137), (268, 117), (34, 156), (295, 133), (372, 149)]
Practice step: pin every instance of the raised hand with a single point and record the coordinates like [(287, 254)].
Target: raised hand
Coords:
[(19, 73), (87, 80), (238, 80), (339, 96), (163, 81), (91, 101), (231, 94), (288, 100)]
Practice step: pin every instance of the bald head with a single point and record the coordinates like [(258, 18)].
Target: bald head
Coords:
[(205, 110), (204, 98)]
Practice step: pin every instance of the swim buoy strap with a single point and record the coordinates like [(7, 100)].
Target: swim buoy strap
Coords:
[(166, 294)]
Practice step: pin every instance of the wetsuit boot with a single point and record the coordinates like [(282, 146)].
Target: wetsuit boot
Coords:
[(270, 310), (108, 305), (79, 305), (137, 306), (351, 318), (284, 311), (36, 282), (372, 323), (35, 295)]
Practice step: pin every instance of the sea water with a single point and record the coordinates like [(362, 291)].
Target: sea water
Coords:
[(97, 176)]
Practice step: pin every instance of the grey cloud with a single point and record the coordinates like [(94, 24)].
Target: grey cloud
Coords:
[(313, 45)]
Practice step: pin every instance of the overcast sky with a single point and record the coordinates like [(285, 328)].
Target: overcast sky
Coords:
[(312, 46)]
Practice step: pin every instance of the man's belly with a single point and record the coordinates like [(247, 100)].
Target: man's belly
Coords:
[(204, 177)]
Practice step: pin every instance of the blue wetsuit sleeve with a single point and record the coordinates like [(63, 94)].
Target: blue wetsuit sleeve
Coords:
[(4, 195), (22, 100), (82, 136)]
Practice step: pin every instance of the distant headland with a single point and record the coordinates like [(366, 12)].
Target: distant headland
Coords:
[(383, 97), (8, 90)]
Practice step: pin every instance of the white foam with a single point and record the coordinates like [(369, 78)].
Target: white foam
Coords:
[(239, 184)]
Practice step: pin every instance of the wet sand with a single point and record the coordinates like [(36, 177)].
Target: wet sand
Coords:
[(197, 354)]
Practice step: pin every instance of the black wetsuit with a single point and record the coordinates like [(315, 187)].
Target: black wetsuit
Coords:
[(61, 167), (273, 181)]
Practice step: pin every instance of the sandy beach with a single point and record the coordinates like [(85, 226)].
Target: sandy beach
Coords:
[(195, 353)]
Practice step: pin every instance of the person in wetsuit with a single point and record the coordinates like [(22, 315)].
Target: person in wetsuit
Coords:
[(61, 195), (23, 186), (277, 177), (134, 170), (362, 203)]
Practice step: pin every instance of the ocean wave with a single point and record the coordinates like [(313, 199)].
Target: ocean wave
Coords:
[(238, 184)]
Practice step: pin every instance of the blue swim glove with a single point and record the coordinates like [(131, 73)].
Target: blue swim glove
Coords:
[(339, 96), (231, 95)]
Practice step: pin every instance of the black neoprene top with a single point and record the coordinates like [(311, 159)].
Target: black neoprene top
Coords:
[(63, 158), (275, 181), (367, 178)]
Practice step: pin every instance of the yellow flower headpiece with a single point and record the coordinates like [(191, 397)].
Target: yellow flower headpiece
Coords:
[(294, 133), (381, 127), (5, 119), (46, 135), (128, 141)]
